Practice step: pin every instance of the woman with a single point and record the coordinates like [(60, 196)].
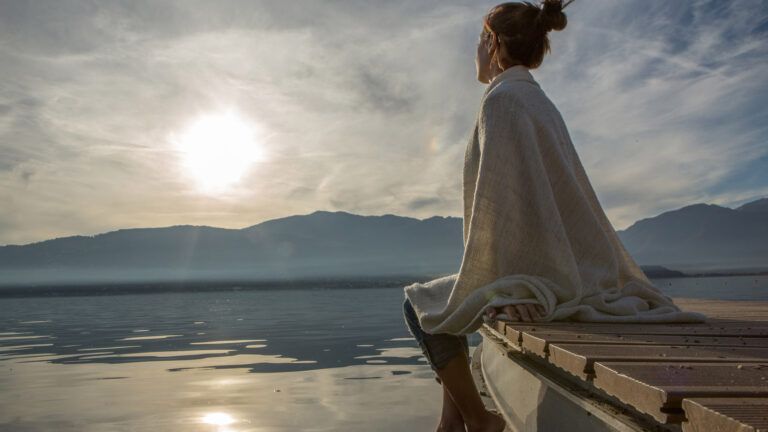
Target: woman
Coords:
[(537, 244), (514, 34)]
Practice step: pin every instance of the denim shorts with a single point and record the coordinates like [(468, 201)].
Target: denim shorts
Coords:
[(438, 348)]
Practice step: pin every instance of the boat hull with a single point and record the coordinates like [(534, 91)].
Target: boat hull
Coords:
[(530, 401)]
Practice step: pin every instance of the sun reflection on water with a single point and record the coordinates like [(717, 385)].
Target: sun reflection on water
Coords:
[(218, 419)]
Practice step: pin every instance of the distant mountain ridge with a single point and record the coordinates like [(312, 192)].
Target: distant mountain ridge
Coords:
[(321, 243), (324, 243), (760, 205), (702, 236)]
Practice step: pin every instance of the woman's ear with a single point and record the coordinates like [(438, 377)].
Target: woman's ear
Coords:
[(492, 44), (494, 52)]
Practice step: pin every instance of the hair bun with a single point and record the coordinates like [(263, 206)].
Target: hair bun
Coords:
[(551, 15)]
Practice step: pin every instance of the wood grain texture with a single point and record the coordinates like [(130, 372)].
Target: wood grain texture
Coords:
[(538, 343), (725, 414), (657, 389), (655, 367), (579, 359)]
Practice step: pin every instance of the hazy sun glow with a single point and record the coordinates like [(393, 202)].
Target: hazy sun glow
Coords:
[(218, 149), (218, 419)]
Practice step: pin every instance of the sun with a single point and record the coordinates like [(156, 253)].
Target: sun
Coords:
[(218, 419), (218, 149)]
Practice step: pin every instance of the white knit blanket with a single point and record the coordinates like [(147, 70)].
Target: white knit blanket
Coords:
[(534, 231)]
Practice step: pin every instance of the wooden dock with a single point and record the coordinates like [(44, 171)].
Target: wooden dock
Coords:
[(692, 377)]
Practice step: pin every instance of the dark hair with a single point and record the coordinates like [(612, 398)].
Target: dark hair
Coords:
[(522, 28)]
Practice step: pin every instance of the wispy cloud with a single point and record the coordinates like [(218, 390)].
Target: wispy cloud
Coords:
[(665, 101), (368, 106)]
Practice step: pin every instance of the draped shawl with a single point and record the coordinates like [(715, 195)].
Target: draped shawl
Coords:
[(534, 231)]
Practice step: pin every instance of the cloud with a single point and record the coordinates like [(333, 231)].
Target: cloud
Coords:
[(663, 104), (368, 107)]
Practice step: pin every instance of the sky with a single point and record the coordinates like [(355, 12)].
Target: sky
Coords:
[(357, 106)]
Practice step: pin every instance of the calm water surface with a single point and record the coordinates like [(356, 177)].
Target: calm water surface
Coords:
[(270, 360)]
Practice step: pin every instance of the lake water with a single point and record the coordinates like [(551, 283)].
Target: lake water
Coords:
[(248, 360)]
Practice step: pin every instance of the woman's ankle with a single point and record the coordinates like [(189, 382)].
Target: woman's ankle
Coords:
[(487, 421)]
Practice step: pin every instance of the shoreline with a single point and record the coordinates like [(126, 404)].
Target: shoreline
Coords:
[(89, 288)]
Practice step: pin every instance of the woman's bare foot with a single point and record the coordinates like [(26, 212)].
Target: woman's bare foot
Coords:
[(491, 422), (457, 380), (450, 418), (521, 312)]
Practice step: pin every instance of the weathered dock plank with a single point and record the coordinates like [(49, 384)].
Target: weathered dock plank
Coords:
[(538, 343), (726, 310), (658, 389), (670, 371), (514, 331), (579, 359), (725, 415)]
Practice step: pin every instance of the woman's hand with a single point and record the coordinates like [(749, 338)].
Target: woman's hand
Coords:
[(520, 312)]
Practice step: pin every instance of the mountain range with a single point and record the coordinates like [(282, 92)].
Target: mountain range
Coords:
[(698, 237)]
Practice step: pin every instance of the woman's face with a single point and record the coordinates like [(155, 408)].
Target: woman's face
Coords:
[(486, 46)]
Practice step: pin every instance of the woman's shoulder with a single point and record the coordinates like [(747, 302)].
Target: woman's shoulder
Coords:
[(515, 96), (502, 99), (511, 92)]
